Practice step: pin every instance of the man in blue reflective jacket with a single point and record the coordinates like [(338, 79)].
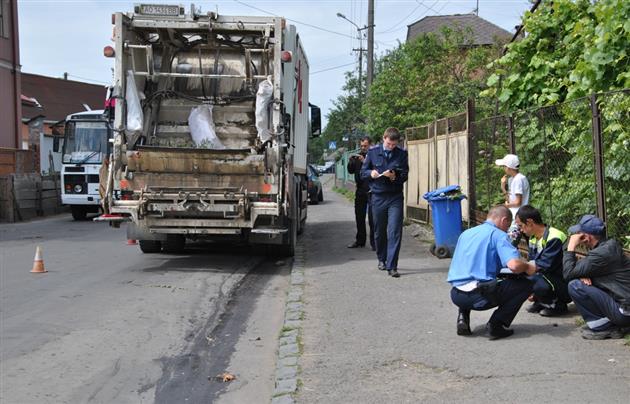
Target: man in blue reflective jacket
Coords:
[(386, 167)]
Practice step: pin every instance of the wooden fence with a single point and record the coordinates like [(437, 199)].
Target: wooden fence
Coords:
[(25, 196), (438, 157)]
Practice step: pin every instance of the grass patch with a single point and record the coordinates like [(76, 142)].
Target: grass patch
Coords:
[(627, 340), (579, 321), (349, 195)]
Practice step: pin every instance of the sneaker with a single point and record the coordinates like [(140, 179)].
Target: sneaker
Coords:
[(558, 310), (381, 266), (610, 333), (535, 308), (497, 331), (394, 273)]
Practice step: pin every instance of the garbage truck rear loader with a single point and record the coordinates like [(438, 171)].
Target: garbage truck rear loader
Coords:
[(211, 127)]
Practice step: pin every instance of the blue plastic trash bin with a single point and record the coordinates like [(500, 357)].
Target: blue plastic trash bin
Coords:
[(446, 211)]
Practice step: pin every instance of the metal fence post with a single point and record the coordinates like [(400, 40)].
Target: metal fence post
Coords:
[(511, 133), (472, 199), (598, 158)]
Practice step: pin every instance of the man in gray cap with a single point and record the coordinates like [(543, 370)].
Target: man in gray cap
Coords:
[(599, 283)]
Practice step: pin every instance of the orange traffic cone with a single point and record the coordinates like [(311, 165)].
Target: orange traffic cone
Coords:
[(38, 263), (131, 242)]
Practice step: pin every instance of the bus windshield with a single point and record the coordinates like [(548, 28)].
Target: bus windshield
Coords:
[(85, 143)]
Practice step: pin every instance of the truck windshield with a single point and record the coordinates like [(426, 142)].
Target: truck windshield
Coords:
[(85, 143)]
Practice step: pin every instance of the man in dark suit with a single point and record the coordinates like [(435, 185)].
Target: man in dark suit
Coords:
[(361, 196), (386, 167)]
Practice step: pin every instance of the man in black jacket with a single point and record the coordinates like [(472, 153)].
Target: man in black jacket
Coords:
[(361, 196), (599, 283)]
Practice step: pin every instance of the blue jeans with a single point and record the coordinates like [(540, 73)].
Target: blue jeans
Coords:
[(598, 308), (387, 211), (510, 295)]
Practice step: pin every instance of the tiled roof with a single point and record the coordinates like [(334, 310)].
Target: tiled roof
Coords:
[(58, 97), (484, 32)]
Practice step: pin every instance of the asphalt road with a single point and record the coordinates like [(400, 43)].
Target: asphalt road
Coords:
[(108, 324), (369, 338)]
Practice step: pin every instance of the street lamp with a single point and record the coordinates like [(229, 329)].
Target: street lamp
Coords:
[(360, 50)]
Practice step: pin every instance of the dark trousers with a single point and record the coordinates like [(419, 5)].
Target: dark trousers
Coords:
[(550, 289), (388, 220), (361, 209), (598, 308), (509, 297)]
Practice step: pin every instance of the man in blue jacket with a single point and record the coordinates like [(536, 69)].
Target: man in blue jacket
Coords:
[(386, 166), (480, 254)]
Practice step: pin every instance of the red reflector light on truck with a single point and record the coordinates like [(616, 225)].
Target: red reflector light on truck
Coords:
[(286, 57)]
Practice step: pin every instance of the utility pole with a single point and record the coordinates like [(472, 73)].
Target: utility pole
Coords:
[(370, 45), (360, 50)]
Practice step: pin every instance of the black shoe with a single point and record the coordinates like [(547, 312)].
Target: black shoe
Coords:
[(463, 323), (356, 245), (497, 331), (610, 333), (535, 308), (558, 310), (373, 248), (394, 273), (381, 266)]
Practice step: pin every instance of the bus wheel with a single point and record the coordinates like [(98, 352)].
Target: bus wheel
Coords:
[(78, 212)]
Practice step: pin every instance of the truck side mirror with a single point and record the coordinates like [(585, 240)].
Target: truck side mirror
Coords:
[(316, 120)]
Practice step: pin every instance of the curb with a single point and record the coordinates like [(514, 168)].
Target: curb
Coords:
[(289, 345)]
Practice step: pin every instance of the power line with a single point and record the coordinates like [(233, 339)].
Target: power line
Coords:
[(296, 21), (332, 68)]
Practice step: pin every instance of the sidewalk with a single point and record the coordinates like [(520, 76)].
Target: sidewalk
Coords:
[(369, 338)]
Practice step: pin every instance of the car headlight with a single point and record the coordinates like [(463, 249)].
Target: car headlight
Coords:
[(78, 188)]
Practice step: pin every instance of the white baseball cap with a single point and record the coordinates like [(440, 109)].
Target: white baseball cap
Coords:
[(510, 161)]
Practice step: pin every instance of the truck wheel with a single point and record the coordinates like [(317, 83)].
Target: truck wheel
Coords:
[(174, 244), (79, 213), (320, 196), (150, 246)]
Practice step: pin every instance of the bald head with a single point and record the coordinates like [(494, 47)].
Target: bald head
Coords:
[(500, 216)]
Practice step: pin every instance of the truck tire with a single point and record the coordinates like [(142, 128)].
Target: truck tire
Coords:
[(174, 244), (150, 246), (79, 213), (320, 196)]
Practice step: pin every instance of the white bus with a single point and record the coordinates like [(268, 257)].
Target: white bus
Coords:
[(85, 147)]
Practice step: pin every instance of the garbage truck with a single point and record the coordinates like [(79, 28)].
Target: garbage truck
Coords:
[(211, 126)]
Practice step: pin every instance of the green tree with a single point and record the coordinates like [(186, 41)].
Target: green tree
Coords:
[(427, 78), (344, 119), (571, 49)]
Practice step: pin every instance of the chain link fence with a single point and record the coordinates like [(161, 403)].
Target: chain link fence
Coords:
[(558, 149)]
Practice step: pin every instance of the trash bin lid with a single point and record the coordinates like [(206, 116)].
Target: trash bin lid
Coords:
[(449, 192)]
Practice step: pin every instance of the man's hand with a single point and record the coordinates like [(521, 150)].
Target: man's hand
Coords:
[(374, 174), (587, 281), (575, 240), (391, 174), (504, 184), (519, 266), (361, 158)]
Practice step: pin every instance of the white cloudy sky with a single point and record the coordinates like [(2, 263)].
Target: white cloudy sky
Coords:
[(58, 36)]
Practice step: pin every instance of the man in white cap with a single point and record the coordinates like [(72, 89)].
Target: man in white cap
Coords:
[(515, 188)]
